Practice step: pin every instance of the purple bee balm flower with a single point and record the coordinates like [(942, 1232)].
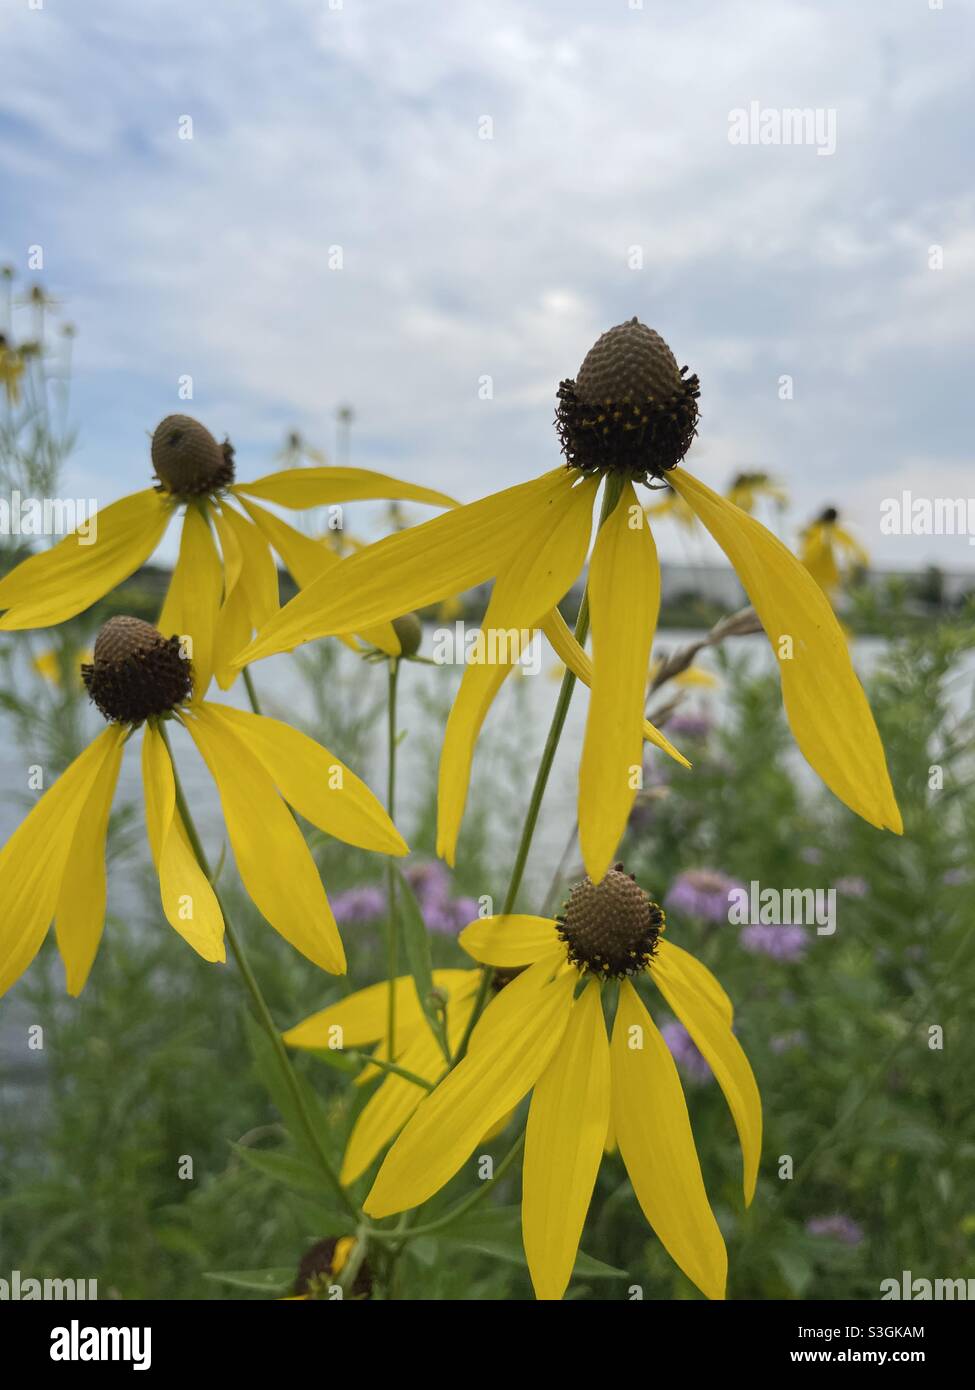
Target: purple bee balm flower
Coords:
[(451, 916), (836, 1227), (362, 904), (703, 893), (852, 886), (684, 1052), (690, 725), (430, 882), (955, 877), (785, 943)]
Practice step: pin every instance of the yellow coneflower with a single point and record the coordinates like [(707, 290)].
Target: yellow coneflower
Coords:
[(11, 370), (323, 1266), (672, 507), (691, 676), (546, 1033), (360, 1020), (49, 665), (196, 473), (747, 489), (629, 416), (53, 866), (829, 552)]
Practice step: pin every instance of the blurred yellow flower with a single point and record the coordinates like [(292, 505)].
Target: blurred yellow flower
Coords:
[(829, 552), (748, 488)]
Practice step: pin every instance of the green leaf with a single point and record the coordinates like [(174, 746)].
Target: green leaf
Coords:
[(270, 1281), (269, 1071), (282, 1167), (416, 940)]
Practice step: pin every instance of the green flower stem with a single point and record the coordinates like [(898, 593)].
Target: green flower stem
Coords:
[(251, 691), (462, 1208), (392, 944), (611, 495), (258, 1000), (367, 1061)]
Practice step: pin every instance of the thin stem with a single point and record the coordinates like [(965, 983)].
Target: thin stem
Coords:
[(257, 998), (369, 1061), (611, 495), (251, 691), (392, 944)]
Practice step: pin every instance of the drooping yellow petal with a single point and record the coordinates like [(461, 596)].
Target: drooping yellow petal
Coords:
[(306, 559), (234, 627), (696, 976), (653, 1131), (188, 901), (490, 1080), (258, 572), (624, 598), (361, 1017), (413, 568), (80, 914), (316, 783), (32, 862), (824, 702), (529, 586), (723, 1053), (568, 650), (55, 584), (567, 1126), (272, 858), (385, 1113), (518, 993), (300, 488), (193, 599), (509, 942)]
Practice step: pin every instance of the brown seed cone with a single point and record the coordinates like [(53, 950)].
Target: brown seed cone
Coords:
[(611, 928), (136, 672), (631, 409), (188, 460)]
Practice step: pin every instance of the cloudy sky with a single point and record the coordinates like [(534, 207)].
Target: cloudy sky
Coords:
[(362, 125)]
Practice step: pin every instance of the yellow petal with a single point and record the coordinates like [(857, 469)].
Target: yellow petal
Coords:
[(492, 1078), (723, 1053), (413, 568), (567, 1125), (234, 626), (653, 1131), (316, 783), (568, 650), (530, 586), (696, 976), (824, 702), (508, 942), (624, 598), (55, 584), (385, 1113), (80, 914), (300, 488), (272, 858), (258, 572), (361, 1017), (32, 862), (305, 560), (193, 600), (188, 900)]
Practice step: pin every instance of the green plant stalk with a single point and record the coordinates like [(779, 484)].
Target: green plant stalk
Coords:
[(257, 998), (392, 944), (611, 495), (255, 704)]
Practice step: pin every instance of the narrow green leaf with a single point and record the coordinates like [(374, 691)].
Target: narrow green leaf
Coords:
[(416, 940)]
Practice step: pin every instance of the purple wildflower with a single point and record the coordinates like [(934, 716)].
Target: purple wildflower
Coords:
[(362, 904), (954, 878), (836, 1227), (684, 1052), (852, 886), (787, 1042), (781, 942), (811, 855), (690, 725), (702, 893)]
